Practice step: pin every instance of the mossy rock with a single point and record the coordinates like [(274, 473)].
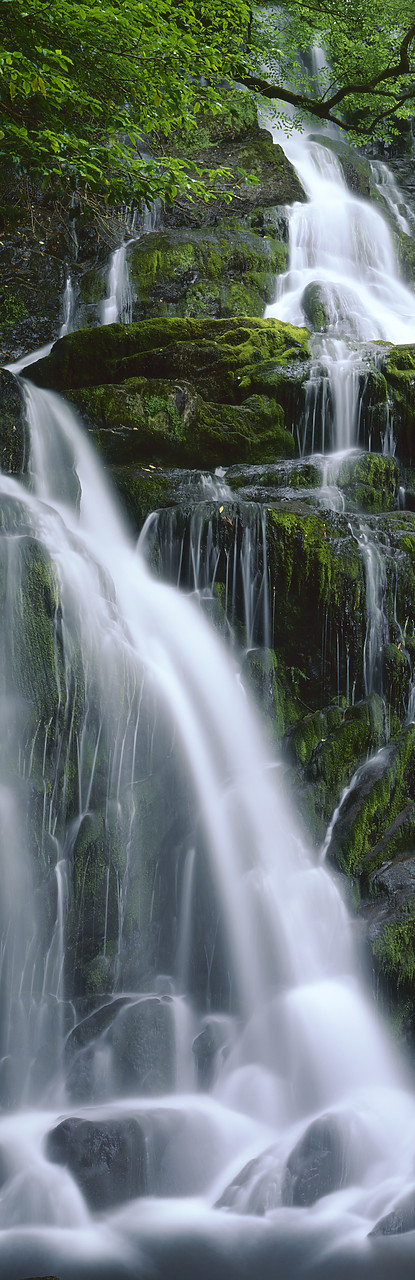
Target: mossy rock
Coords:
[(265, 671), (259, 483), (216, 354), (370, 482), (405, 253), (168, 423), (366, 832), (326, 748), (254, 153), (398, 367), (317, 576), (226, 272), (143, 489), (315, 306)]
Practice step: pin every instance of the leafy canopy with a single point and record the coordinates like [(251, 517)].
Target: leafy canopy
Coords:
[(363, 77), (84, 84)]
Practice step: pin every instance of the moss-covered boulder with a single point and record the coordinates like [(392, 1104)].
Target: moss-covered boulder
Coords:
[(370, 482), (252, 154), (316, 307), (217, 352), (328, 747), (229, 271), (372, 824), (182, 390), (166, 422), (398, 368)]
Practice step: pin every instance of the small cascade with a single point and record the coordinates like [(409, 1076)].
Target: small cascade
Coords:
[(68, 307), (117, 306), (167, 848), (377, 632), (152, 216), (216, 540), (401, 214)]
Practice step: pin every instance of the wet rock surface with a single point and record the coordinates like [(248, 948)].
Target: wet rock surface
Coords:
[(318, 1165), (400, 1220), (107, 1159)]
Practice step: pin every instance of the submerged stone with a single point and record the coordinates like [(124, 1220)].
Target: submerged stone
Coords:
[(319, 1164), (400, 1219), (107, 1158)]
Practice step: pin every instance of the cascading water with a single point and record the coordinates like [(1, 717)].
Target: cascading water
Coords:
[(342, 264), (114, 1174), (118, 303)]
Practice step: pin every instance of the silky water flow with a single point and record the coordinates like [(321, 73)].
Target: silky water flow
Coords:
[(341, 246), (136, 673), (134, 696)]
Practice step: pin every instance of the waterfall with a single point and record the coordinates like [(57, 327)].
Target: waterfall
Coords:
[(118, 303), (145, 712), (343, 281)]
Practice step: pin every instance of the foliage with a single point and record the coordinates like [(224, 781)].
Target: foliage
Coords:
[(82, 85), (362, 74), (88, 88)]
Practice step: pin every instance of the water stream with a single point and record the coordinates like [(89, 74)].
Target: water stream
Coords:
[(342, 258), (261, 1122), (286, 1042)]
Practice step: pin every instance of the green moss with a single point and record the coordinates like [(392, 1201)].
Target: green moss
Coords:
[(35, 657), (370, 482), (273, 690), (398, 367), (12, 308), (317, 577), (315, 306), (142, 491), (157, 347), (394, 948), (383, 794)]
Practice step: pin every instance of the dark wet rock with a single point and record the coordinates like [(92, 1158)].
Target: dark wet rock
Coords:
[(31, 291), (208, 1045), (257, 1188), (14, 443), (107, 1158), (318, 1164), (143, 1047), (400, 1220), (255, 153)]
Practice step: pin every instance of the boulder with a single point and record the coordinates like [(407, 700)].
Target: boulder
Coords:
[(107, 1158), (400, 1219), (318, 1164)]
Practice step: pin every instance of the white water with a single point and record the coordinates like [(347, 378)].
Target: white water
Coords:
[(305, 1042), (117, 306), (342, 244)]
